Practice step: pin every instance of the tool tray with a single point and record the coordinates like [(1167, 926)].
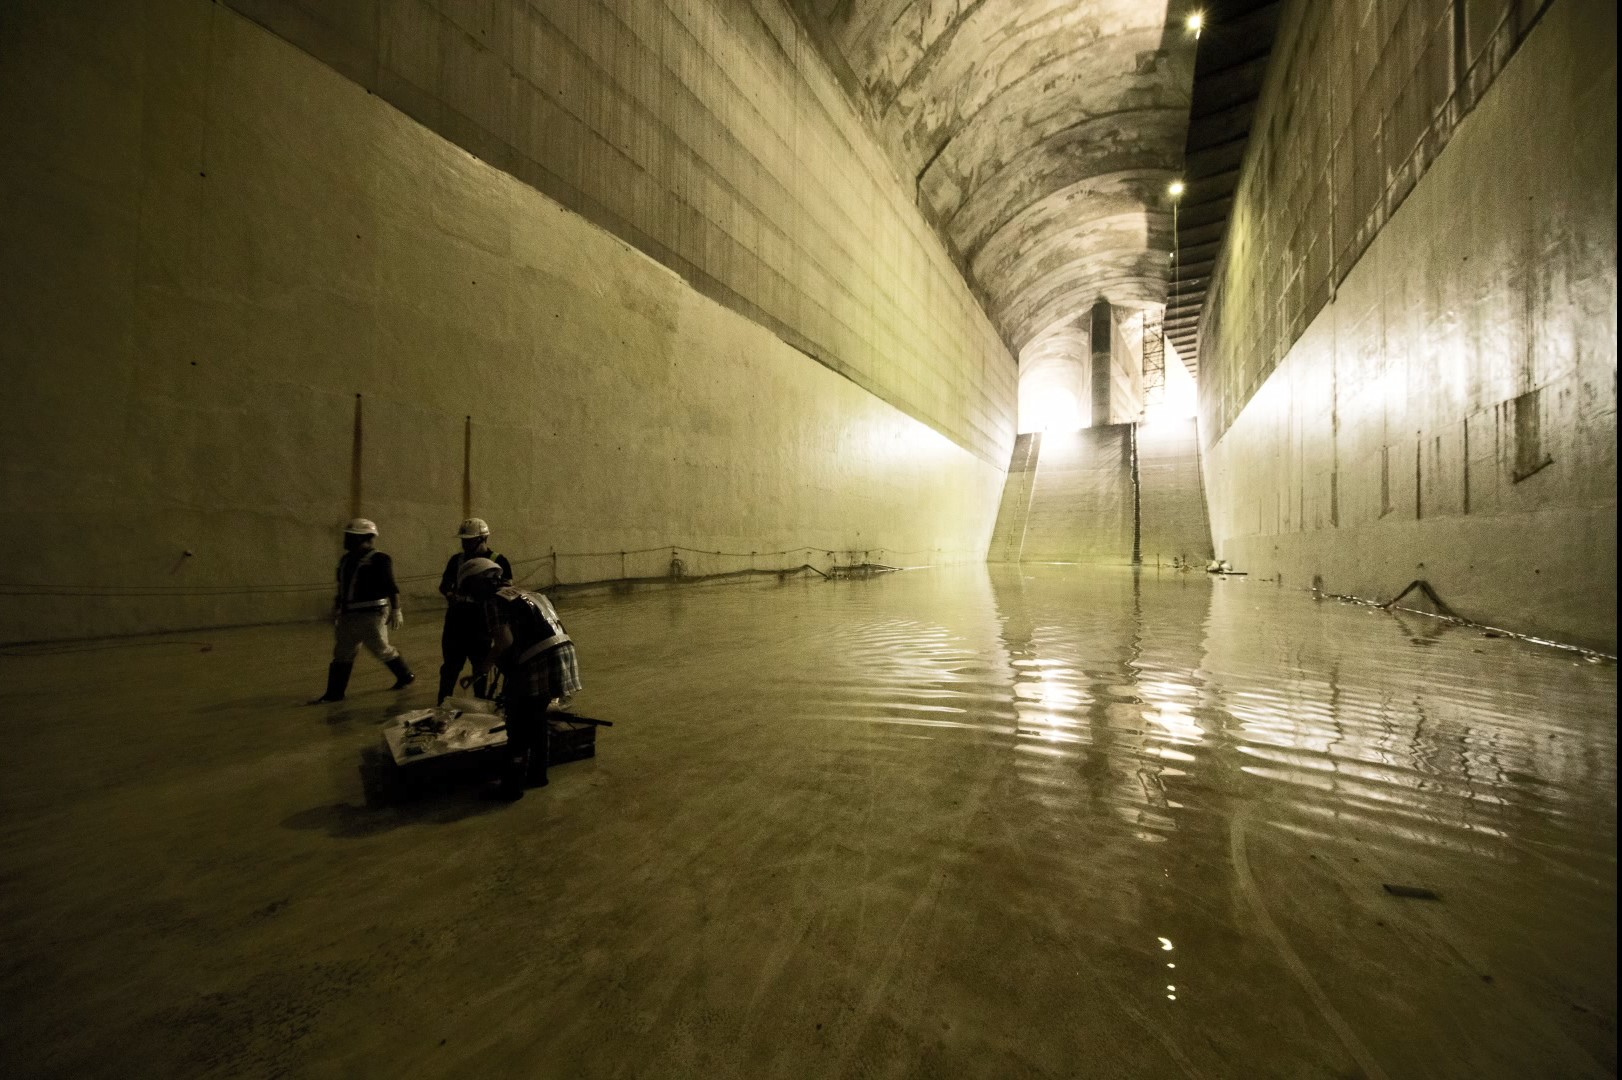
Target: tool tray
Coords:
[(426, 734), (429, 749), (572, 738), (418, 737)]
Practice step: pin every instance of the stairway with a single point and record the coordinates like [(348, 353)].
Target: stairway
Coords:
[(1075, 496), (1172, 519), (1081, 499)]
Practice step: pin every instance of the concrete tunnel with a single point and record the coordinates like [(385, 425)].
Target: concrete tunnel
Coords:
[(1093, 523)]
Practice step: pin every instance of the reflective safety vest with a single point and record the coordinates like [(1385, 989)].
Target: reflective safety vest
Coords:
[(534, 622), (367, 583)]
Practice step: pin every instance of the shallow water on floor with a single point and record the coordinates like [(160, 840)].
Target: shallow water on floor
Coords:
[(1006, 821), (1186, 763), (1442, 736)]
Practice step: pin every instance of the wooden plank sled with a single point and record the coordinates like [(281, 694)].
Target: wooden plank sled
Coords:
[(426, 734)]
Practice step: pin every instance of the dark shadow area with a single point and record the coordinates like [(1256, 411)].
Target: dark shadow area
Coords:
[(344, 821), (348, 710), (395, 798), (250, 702), (1423, 631), (437, 791)]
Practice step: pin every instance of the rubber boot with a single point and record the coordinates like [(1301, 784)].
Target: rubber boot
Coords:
[(403, 676), (514, 769), (337, 683), (539, 751)]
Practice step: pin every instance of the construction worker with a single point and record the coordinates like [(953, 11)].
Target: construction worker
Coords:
[(366, 607), (537, 661), (467, 633)]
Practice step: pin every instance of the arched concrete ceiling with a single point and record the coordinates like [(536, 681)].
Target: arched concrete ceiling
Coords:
[(1041, 135)]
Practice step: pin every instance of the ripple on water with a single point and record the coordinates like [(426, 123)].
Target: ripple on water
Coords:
[(1137, 752), (1313, 705)]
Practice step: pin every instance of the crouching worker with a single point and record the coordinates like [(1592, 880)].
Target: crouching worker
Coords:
[(537, 662), (367, 605), (466, 635)]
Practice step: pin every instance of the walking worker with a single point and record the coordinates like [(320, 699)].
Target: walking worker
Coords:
[(366, 607), (467, 631), (537, 661)]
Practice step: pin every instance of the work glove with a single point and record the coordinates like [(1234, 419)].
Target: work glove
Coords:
[(396, 619)]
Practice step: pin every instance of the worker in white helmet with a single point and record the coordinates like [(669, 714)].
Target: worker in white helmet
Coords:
[(366, 607), (537, 660), (467, 629)]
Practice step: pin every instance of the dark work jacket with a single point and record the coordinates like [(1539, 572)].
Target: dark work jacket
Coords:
[(447, 580), (364, 578)]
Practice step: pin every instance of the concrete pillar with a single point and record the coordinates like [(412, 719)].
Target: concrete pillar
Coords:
[(1102, 344)]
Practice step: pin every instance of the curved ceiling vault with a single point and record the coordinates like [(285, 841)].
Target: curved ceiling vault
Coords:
[(1041, 135)]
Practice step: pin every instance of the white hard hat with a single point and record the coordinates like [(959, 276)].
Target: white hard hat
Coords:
[(361, 527), (473, 528), (475, 567)]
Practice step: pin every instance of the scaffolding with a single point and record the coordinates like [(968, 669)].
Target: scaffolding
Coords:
[(1154, 359)]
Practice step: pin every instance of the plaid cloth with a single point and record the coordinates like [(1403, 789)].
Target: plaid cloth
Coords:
[(555, 674)]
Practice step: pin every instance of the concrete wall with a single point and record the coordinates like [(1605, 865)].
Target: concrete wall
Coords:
[(214, 242), (710, 135), (1358, 101), (1450, 414)]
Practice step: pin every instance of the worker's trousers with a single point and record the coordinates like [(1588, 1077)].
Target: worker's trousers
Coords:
[(356, 628), (529, 734), (466, 637)]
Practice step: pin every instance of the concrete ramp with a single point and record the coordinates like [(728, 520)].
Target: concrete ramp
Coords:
[(1081, 498), (1172, 518), (1009, 535), (1073, 496)]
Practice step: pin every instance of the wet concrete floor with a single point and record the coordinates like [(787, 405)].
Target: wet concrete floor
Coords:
[(979, 822)]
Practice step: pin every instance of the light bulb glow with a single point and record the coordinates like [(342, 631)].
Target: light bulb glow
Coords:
[(1175, 188), (1196, 22)]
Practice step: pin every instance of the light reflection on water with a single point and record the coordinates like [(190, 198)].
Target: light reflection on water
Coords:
[(1095, 764)]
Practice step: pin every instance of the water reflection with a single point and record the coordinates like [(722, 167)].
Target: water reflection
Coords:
[(1104, 693), (1080, 767)]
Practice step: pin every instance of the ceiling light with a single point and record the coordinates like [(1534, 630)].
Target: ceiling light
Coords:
[(1175, 188), (1196, 22)]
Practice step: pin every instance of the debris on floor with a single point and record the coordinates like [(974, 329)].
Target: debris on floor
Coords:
[(1412, 892), (1224, 568)]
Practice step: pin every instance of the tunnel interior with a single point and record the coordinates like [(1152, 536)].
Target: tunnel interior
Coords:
[(1091, 527)]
